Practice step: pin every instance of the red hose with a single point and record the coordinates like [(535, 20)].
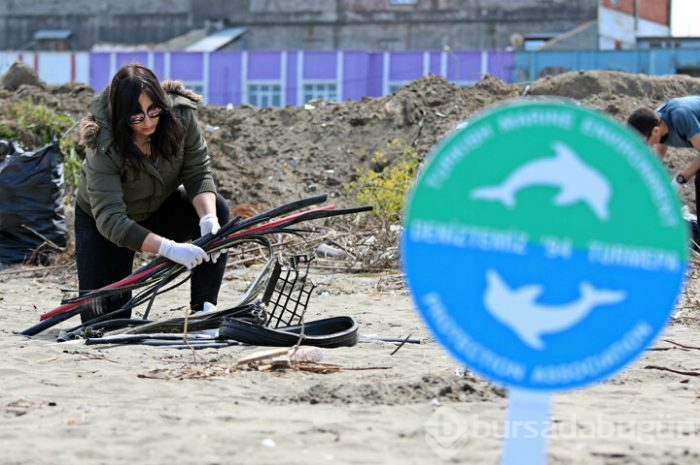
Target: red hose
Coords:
[(124, 282), (131, 279)]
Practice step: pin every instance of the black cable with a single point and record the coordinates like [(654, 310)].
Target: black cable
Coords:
[(155, 289), (156, 279)]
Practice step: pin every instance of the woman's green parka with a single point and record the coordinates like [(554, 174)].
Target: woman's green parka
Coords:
[(118, 194)]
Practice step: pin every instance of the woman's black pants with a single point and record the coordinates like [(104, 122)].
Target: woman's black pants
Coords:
[(101, 262)]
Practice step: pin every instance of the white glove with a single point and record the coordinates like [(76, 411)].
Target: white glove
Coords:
[(210, 224), (674, 185), (188, 255)]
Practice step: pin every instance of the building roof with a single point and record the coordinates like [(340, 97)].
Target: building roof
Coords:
[(575, 34), (52, 34), (216, 40), (182, 41)]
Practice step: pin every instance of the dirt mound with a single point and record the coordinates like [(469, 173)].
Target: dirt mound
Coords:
[(451, 389), (616, 93), (266, 157), (20, 74), (69, 99), (583, 85)]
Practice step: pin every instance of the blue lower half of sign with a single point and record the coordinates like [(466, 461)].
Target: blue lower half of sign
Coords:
[(538, 322)]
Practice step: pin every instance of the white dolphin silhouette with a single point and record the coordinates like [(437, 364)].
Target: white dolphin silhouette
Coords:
[(518, 310), (577, 182)]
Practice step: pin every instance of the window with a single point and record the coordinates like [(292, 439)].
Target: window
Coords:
[(265, 95), (320, 91), (535, 41), (196, 87)]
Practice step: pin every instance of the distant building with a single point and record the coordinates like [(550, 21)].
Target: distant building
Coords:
[(296, 24), (622, 22), (668, 42), (56, 40), (381, 25), (93, 21), (394, 24)]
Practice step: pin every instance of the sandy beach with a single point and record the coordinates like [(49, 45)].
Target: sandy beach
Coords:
[(78, 404), (71, 403)]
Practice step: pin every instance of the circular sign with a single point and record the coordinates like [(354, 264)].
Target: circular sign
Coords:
[(543, 245)]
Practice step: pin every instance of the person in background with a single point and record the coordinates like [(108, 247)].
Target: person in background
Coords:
[(676, 123), (145, 186)]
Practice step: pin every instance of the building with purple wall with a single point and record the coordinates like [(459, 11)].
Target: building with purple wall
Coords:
[(293, 77)]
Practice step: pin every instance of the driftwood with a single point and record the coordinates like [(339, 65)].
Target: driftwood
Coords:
[(672, 370)]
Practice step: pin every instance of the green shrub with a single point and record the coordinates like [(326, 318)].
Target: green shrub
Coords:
[(71, 167), (7, 130), (385, 183), (38, 120), (34, 125)]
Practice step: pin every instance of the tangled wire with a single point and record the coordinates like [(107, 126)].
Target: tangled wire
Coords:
[(161, 275)]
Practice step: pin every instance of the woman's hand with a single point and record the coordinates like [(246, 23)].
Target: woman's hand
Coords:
[(209, 224), (187, 255)]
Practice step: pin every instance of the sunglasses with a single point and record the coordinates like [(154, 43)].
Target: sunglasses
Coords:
[(152, 113)]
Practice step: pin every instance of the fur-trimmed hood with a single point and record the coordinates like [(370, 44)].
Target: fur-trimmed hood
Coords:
[(178, 88), (94, 130)]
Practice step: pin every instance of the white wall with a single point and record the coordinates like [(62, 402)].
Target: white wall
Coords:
[(54, 68), (6, 60), (615, 26), (649, 28)]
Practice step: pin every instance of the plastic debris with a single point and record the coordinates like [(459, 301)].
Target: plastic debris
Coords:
[(268, 442)]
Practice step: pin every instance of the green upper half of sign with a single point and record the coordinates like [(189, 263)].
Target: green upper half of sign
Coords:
[(548, 169)]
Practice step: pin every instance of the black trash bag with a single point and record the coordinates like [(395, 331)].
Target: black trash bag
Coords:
[(8, 148), (31, 202), (694, 233)]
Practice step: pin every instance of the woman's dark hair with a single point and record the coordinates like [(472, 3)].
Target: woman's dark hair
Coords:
[(124, 93), (644, 120)]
